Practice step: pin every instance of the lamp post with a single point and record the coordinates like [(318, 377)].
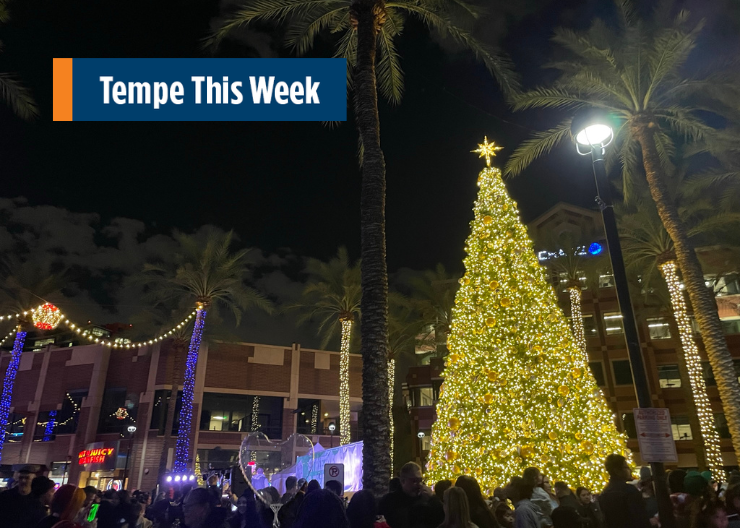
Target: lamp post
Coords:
[(420, 435), (131, 431), (592, 131), (332, 427)]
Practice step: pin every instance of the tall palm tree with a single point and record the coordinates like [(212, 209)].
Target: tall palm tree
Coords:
[(368, 30), (12, 91), (208, 274), (22, 286), (648, 247), (578, 268), (637, 72), (333, 296)]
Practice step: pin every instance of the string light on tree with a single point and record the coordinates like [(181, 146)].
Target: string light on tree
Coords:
[(8, 382), (344, 409), (576, 320), (517, 389), (712, 449), (314, 418), (182, 446), (391, 385)]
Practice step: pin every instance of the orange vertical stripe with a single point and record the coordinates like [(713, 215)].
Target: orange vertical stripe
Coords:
[(62, 89)]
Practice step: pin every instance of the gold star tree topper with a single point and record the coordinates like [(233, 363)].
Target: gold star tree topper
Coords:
[(487, 150)]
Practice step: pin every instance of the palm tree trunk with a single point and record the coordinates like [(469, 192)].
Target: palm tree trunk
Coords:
[(345, 436), (705, 308), (712, 450), (374, 306), (182, 446), (391, 392), (8, 382), (576, 319), (177, 346)]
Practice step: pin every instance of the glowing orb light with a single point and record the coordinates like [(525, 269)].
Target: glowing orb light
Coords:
[(595, 248), (47, 317)]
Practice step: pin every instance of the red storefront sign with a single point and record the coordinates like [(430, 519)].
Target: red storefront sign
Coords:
[(95, 456)]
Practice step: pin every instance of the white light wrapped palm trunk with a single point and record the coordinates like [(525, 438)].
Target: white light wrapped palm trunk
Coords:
[(391, 384), (576, 318), (693, 362), (344, 413)]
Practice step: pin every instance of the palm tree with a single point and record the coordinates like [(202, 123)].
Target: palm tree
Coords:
[(637, 73), (574, 265), (648, 247), (333, 296), (15, 95), (368, 29), (207, 274), (22, 285)]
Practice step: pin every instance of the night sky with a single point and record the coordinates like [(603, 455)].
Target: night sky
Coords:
[(289, 188)]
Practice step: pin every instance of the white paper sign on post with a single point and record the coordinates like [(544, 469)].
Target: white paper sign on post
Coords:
[(334, 472), (655, 435)]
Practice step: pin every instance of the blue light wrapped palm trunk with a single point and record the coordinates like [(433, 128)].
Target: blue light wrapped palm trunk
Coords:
[(15, 358)]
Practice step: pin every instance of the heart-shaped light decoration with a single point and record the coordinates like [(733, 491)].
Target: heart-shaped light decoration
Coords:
[(265, 463)]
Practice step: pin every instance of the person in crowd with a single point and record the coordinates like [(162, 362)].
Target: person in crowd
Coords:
[(137, 509), (313, 485), (588, 509), (645, 485), (65, 505), (246, 512), (362, 511), (42, 490), (440, 488), (213, 488), (108, 510), (526, 513), (504, 514), (125, 510), (554, 502), (480, 513), (289, 511), (200, 511), (565, 495), (678, 497), (414, 505), (15, 502), (272, 494), (322, 509), (539, 497), (708, 513), (456, 508), (499, 496), (732, 503), (621, 502), (395, 485), (566, 517), (290, 489), (259, 480), (336, 487)]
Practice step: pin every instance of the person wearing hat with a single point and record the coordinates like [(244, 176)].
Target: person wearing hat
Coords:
[(16, 502), (65, 505), (42, 491)]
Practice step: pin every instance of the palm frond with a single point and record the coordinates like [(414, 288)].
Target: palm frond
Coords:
[(556, 98), (531, 149), (18, 97), (390, 74)]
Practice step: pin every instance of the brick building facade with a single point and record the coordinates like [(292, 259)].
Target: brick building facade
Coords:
[(81, 391)]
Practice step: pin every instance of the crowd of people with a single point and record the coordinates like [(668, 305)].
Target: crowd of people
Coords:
[(527, 501)]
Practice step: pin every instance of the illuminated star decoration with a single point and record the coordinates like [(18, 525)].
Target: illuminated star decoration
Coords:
[(487, 150)]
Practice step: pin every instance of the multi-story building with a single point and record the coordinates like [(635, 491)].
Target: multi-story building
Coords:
[(607, 351), (72, 406)]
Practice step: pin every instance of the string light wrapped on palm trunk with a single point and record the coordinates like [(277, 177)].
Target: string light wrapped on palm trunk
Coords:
[(344, 410)]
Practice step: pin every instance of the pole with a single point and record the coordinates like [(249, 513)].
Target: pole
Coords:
[(642, 390), (128, 455)]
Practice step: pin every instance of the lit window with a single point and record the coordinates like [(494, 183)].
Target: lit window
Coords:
[(606, 280), (622, 372), (720, 423), (613, 323), (659, 328), (426, 397), (669, 376), (589, 326), (731, 326), (681, 428)]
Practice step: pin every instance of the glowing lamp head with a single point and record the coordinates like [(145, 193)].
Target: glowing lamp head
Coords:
[(132, 429), (421, 434), (192, 477), (332, 427), (177, 478), (592, 128), (169, 478)]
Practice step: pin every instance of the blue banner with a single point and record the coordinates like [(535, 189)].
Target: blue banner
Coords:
[(208, 89)]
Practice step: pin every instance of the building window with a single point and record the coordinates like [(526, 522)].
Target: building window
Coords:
[(233, 412), (606, 280), (622, 372), (720, 423), (669, 376), (16, 425), (597, 369), (310, 419), (564, 280), (40, 343), (62, 421), (658, 328), (628, 422), (681, 428), (426, 397), (613, 323), (113, 400), (708, 374), (589, 326), (694, 325), (161, 408), (731, 326), (724, 285)]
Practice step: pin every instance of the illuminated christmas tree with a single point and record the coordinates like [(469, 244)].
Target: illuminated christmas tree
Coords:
[(517, 390)]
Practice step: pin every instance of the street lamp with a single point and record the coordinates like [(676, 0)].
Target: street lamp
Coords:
[(332, 427), (420, 435), (131, 431), (592, 131)]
